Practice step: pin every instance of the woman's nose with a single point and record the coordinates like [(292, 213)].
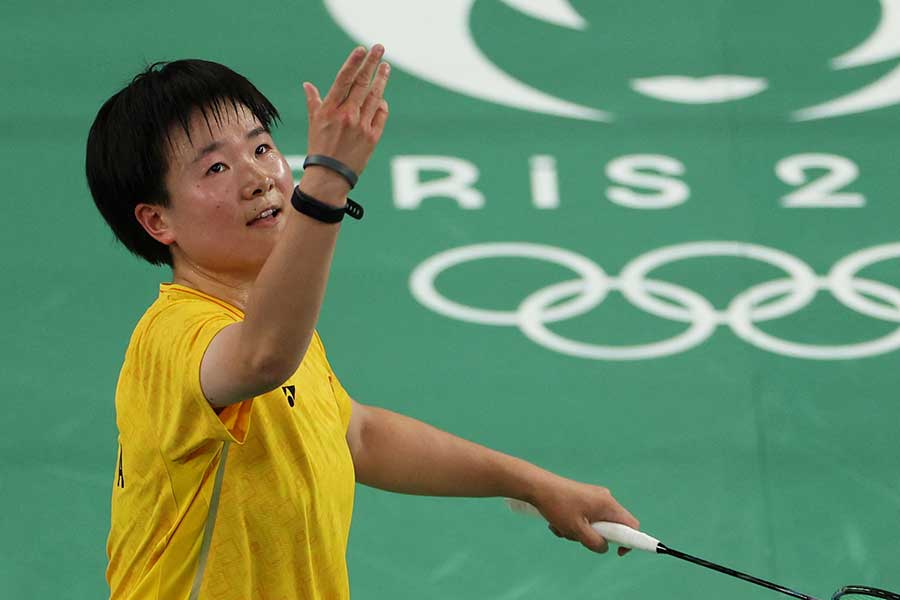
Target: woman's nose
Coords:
[(258, 182)]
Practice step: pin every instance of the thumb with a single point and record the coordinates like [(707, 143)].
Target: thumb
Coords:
[(313, 100), (592, 540)]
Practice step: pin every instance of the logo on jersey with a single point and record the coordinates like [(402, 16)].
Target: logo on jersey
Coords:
[(289, 394)]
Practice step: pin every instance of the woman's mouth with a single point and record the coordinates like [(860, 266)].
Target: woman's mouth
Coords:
[(266, 217)]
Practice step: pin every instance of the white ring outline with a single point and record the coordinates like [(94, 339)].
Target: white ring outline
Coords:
[(744, 328), (636, 271), (421, 281), (533, 327), (844, 271)]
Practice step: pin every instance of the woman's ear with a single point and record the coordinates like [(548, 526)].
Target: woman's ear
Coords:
[(155, 221)]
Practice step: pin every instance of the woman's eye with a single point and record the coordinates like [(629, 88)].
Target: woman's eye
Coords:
[(216, 168), (263, 148)]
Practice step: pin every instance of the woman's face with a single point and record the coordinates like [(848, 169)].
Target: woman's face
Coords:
[(221, 181)]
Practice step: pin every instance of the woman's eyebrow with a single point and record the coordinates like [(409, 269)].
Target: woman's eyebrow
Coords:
[(216, 145)]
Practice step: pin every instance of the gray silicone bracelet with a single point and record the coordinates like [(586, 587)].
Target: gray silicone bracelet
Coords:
[(335, 165)]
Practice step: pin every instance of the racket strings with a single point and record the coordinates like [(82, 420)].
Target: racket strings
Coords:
[(849, 591)]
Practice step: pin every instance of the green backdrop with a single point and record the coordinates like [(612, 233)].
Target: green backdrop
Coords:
[(777, 459)]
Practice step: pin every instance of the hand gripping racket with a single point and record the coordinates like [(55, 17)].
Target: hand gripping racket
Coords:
[(623, 535)]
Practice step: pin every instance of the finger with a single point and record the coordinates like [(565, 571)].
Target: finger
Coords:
[(555, 531), (373, 100), (313, 99), (621, 515), (344, 78), (381, 117), (360, 83), (592, 540), (626, 518), (622, 551)]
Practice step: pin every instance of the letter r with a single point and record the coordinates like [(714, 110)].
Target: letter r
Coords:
[(410, 190)]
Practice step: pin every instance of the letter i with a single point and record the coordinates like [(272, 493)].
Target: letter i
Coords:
[(544, 182)]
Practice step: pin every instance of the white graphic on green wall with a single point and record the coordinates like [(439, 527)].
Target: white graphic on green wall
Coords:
[(441, 49)]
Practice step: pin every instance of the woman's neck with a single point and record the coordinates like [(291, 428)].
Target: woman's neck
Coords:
[(231, 289)]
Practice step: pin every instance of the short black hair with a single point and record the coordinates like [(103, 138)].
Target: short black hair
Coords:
[(126, 157)]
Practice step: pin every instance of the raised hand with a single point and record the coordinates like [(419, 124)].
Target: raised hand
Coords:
[(347, 124)]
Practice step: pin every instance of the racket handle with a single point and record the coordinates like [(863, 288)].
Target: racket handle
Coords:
[(623, 535)]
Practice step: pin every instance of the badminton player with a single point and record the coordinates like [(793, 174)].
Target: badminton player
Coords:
[(238, 447)]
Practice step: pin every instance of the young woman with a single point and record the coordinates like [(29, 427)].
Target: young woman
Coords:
[(238, 447)]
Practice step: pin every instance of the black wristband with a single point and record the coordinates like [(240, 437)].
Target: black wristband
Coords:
[(325, 213), (319, 160)]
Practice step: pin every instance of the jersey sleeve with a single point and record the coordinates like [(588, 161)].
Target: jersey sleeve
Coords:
[(340, 394), (173, 347)]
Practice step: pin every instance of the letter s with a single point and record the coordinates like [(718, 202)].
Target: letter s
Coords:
[(627, 170)]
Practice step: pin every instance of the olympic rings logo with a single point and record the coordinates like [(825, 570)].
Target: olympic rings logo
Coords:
[(763, 302)]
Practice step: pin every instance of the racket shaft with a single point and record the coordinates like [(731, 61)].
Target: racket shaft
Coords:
[(709, 565)]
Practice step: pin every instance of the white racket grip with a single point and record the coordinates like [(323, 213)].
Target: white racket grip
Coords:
[(616, 533), (623, 535)]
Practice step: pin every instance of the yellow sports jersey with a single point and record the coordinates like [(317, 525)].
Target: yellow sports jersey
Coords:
[(251, 503)]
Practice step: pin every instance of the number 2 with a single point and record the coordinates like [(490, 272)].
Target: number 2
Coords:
[(821, 192)]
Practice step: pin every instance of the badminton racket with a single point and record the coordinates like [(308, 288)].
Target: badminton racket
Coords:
[(623, 535)]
